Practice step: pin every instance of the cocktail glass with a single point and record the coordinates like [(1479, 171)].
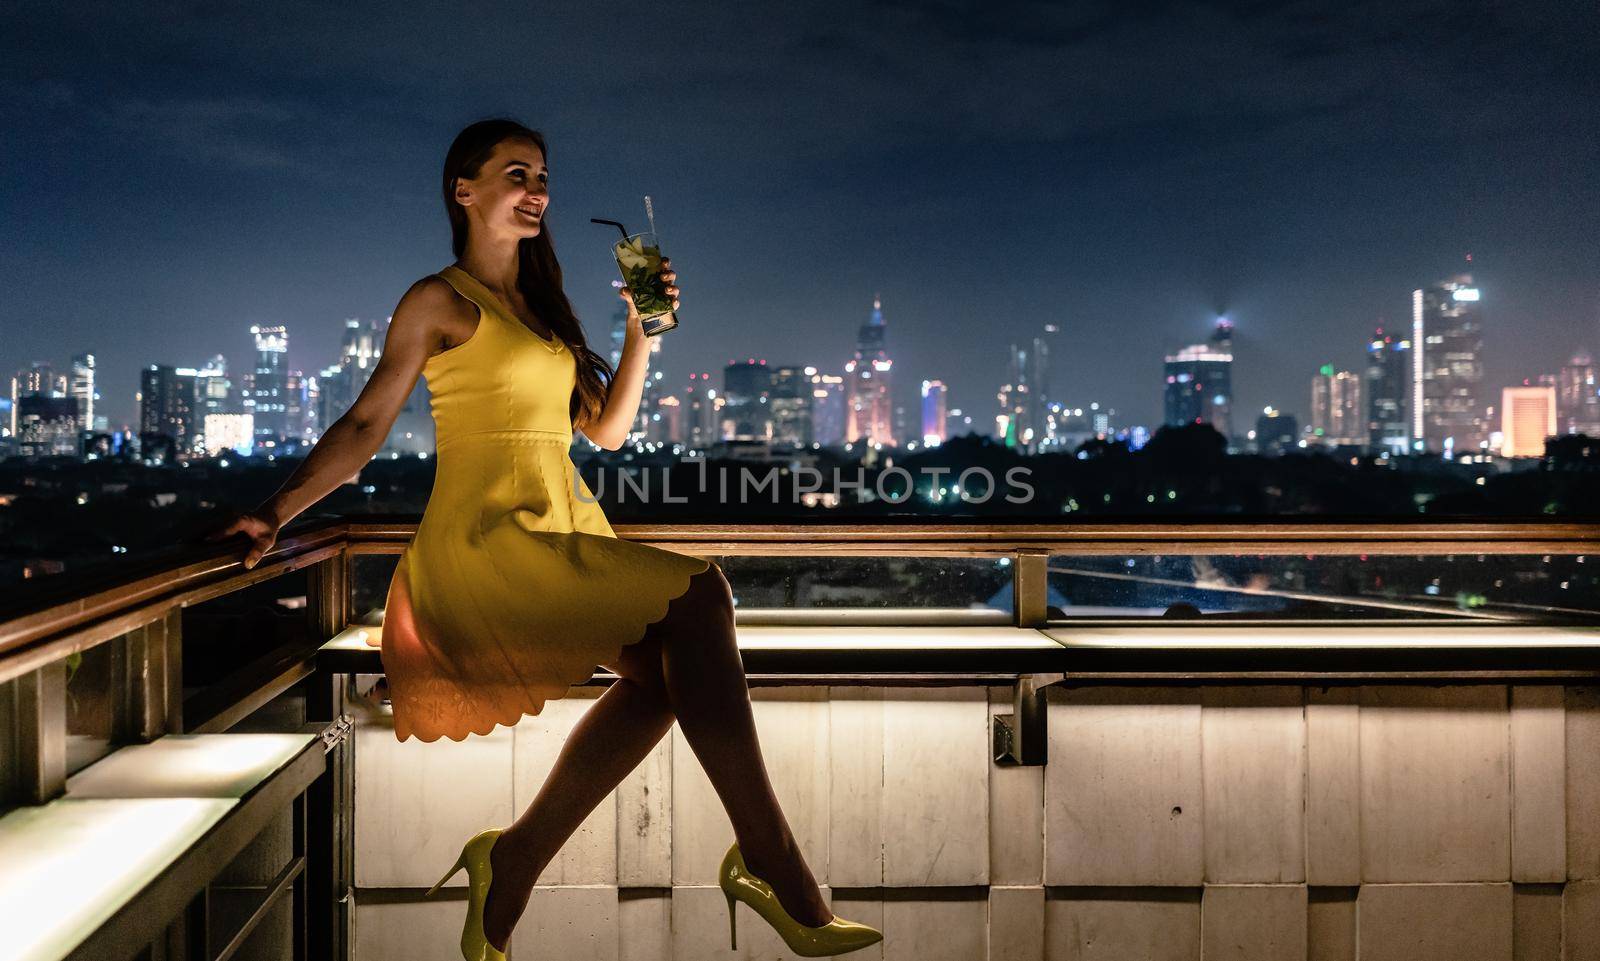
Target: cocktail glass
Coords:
[(639, 259)]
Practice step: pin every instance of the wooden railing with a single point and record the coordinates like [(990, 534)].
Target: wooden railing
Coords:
[(70, 616), (139, 607)]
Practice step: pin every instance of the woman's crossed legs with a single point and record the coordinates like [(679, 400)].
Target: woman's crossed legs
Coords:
[(686, 668)]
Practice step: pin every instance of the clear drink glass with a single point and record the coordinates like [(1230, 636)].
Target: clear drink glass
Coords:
[(639, 259)]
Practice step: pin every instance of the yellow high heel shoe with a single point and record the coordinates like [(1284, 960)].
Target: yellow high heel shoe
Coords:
[(475, 858), (838, 936)]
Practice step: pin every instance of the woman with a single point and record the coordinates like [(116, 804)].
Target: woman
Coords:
[(515, 586)]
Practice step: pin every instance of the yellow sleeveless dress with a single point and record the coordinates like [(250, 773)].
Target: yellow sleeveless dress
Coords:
[(514, 588)]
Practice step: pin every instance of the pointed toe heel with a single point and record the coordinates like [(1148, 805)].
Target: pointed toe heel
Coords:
[(474, 857), (838, 936)]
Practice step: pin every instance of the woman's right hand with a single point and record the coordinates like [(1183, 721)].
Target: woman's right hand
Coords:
[(256, 525)]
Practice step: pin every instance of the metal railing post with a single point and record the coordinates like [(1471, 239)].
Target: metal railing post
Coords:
[(42, 733), (1030, 580), (329, 814)]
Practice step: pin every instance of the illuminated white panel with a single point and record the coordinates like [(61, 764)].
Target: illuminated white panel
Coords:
[(947, 638), (1465, 293), (827, 638), (70, 864), (188, 765), (1367, 636), (355, 639), (892, 639)]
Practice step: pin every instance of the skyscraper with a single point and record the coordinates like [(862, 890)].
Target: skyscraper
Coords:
[(666, 422), (1337, 408), (1447, 367), (47, 425), (269, 394), (619, 332), (82, 389), (212, 391), (747, 392), (791, 407), (341, 383), (1199, 382), (647, 425), (1527, 417), (1024, 397), (1276, 432), (935, 408), (1388, 393), (168, 425), (869, 417), (1578, 396), (38, 379), (828, 408), (699, 412)]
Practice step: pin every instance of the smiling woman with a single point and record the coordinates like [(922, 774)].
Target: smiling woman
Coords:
[(495, 181), (515, 587)]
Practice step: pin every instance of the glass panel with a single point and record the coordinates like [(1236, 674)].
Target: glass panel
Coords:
[(369, 586), (1519, 587), (882, 583), (226, 633), (91, 704)]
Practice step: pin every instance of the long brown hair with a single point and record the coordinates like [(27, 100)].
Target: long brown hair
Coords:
[(538, 272)]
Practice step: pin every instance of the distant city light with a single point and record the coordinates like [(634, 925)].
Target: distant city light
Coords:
[(1465, 293)]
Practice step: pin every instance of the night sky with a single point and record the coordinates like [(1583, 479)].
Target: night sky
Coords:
[(1126, 170)]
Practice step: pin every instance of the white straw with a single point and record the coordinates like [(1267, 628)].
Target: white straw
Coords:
[(650, 213)]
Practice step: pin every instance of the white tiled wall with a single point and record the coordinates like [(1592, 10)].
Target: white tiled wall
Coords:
[(1271, 822)]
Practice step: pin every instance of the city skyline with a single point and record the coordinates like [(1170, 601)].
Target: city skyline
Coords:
[(1427, 393), (962, 386), (1278, 173)]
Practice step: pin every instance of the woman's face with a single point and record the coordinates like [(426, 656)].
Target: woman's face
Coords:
[(510, 195)]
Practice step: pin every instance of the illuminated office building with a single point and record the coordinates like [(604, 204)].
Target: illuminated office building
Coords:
[(40, 379), (1527, 417), (1024, 397), (1276, 432), (790, 407), (340, 383), (268, 399), (228, 433), (1388, 393), (747, 394), (699, 412), (666, 421), (81, 389), (169, 428), (1337, 411), (828, 408), (869, 414), (1578, 396), (935, 409), (47, 426), (1199, 383), (1447, 367)]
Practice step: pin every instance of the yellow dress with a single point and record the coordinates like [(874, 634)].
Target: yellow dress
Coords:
[(514, 588)]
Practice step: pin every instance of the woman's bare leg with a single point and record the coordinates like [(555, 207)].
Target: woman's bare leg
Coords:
[(607, 743), (689, 662), (706, 688)]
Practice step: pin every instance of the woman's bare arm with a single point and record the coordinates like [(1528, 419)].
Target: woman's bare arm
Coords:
[(612, 427), (415, 332), (622, 397)]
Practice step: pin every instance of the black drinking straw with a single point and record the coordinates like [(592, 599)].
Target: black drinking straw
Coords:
[(613, 223)]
